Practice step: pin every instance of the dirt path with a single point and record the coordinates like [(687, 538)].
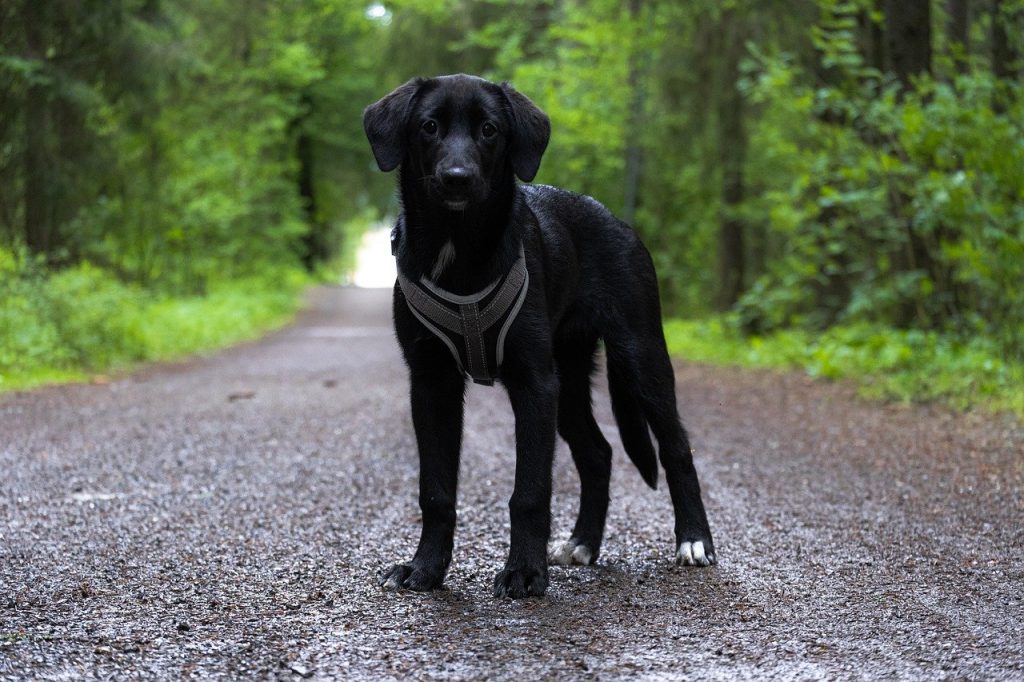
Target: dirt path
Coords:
[(227, 518)]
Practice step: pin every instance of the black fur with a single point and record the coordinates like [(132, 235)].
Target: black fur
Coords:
[(460, 142)]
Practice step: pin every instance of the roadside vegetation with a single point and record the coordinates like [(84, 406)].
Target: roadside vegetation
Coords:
[(893, 365), (82, 321), (836, 185)]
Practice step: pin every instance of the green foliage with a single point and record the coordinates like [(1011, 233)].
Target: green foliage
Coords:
[(170, 131), (885, 363), (886, 207), (167, 162), (27, 338), (568, 82), (610, 79)]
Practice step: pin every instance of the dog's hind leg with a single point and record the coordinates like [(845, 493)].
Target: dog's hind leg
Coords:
[(590, 451), (639, 363)]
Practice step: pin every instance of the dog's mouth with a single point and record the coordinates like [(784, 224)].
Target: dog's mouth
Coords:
[(456, 204)]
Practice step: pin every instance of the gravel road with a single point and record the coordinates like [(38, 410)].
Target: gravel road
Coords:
[(227, 518)]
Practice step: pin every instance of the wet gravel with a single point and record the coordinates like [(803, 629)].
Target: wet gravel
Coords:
[(227, 517)]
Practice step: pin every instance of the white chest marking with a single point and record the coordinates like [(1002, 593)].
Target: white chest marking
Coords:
[(444, 258)]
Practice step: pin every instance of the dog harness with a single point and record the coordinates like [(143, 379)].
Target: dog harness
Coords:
[(473, 327)]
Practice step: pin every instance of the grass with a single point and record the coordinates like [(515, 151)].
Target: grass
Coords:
[(898, 365), (83, 322)]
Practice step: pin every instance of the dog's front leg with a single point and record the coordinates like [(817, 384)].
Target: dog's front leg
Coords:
[(534, 401), (437, 408)]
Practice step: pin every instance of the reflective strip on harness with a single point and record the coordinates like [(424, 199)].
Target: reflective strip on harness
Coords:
[(473, 327)]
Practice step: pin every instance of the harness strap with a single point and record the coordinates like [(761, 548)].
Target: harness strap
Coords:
[(420, 301), (467, 324)]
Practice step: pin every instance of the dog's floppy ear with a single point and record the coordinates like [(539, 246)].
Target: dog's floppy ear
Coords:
[(384, 122), (530, 132)]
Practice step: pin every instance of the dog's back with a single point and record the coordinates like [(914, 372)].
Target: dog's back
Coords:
[(615, 296)]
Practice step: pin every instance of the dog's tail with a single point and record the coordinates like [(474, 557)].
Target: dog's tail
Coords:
[(633, 428)]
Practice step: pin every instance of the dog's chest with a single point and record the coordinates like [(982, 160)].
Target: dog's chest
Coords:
[(473, 327)]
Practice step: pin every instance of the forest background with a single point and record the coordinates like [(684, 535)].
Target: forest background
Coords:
[(833, 185)]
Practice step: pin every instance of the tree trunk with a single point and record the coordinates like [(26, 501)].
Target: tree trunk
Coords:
[(732, 143), (958, 30), (871, 37), (634, 150), (316, 248), (38, 228), (908, 38), (1005, 52), (908, 42)]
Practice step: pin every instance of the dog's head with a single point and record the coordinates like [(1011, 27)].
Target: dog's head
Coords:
[(459, 135)]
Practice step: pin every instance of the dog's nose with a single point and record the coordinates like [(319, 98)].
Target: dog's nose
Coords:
[(456, 177)]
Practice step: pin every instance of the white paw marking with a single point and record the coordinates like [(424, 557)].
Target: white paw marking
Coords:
[(582, 555), (570, 553), (692, 554)]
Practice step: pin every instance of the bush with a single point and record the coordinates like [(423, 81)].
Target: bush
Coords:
[(83, 319), (96, 316), (885, 207), (29, 335)]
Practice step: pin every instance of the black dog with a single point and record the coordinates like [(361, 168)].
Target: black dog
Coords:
[(516, 282)]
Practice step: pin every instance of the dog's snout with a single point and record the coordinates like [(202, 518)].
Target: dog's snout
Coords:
[(456, 177)]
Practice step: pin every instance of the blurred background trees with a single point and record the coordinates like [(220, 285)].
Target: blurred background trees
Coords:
[(799, 164), (174, 142)]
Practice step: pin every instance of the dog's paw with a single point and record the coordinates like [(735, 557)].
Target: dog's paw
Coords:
[(695, 554), (517, 583), (571, 552), (410, 577)]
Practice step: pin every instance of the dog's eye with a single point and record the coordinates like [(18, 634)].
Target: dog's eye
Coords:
[(488, 130), (430, 127)]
